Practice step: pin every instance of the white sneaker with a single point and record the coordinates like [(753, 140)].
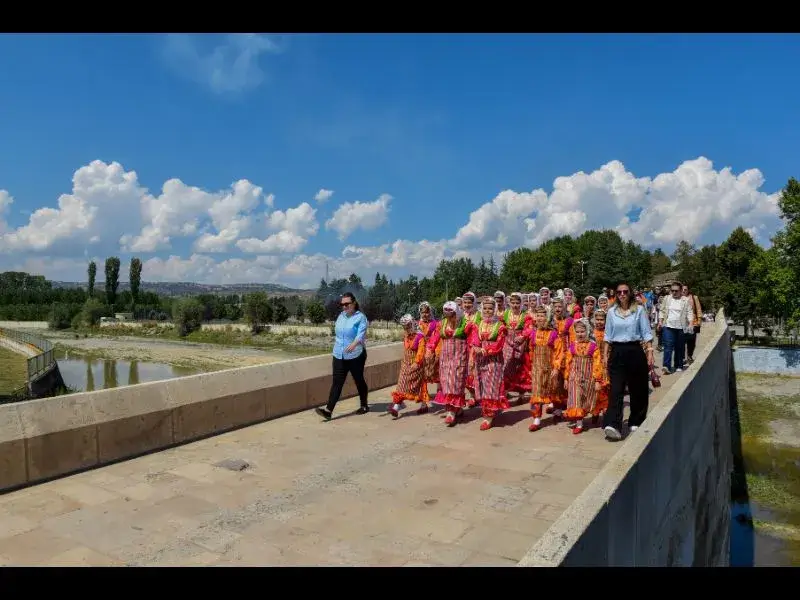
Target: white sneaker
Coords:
[(633, 428), (612, 433)]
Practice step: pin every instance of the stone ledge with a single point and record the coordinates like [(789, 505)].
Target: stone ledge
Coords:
[(52, 437), (623, 517)]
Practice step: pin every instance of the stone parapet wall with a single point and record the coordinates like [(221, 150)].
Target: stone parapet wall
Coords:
[(51, 437)]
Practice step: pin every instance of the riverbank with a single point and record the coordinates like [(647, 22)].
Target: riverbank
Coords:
[(769, 421), (184, 354), (13, 371)]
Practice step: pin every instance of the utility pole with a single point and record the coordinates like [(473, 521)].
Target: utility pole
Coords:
[(582, 263)]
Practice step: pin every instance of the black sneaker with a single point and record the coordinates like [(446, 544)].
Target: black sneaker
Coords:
[(362, 410), (323, 412)]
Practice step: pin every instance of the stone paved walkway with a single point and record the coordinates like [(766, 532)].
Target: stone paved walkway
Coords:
[(359, 490)]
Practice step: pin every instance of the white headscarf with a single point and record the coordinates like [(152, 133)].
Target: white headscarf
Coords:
[(586, 324), (422, 305), (450, 305), (406, 319)]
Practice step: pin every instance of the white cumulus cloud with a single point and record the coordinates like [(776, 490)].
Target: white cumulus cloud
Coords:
[(237, 234), (323, 195), (352, 216)]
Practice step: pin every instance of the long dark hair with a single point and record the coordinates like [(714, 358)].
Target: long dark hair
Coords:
[(356, 305), (629, 294)]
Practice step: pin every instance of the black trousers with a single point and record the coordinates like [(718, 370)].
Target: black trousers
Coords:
[(627, 366), (341, 367), (691, 343)]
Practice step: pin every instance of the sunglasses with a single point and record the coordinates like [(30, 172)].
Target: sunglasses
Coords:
[(345, 304), (623, 292)]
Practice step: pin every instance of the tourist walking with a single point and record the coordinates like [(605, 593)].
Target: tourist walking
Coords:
[(349, 355), (627, 357), (691, 336), (675, 320)]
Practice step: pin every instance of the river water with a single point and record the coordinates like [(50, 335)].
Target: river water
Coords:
[(88, 375)]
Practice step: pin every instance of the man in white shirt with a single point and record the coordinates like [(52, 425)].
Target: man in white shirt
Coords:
[(675, 318)]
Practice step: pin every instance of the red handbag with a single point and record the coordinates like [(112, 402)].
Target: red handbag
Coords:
[(655, 379)]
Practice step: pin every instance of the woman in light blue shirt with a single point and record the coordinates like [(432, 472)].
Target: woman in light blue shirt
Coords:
[(628, 358), (349, 355)]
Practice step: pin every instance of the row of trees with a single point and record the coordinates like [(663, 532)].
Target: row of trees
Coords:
[(587, 263), (756, 287)]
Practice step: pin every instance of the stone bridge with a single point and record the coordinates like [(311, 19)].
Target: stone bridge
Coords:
[(234, 468)]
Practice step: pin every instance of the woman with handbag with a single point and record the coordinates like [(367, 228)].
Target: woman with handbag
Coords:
[(628, 358)]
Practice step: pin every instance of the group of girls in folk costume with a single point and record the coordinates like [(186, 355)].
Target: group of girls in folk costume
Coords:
[(543, 346)]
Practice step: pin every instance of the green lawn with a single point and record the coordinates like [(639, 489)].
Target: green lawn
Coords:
[(13, 370)]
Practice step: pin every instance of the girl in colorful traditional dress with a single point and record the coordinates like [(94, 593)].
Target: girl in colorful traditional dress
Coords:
[(500, 302), (411, 383), (602, 302), (473, 315), (546, 300), (563, 326), (589, 306), (584, 377), (488, 341), (459, 303), (571, 307), (453, 332), (427, 325), (530, 320), (601, 405), (545, 350), (518, 324)]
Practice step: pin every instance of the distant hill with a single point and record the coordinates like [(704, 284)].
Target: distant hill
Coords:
[(187, 288)]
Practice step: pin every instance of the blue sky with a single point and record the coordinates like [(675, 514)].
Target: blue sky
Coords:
[(466, 133)]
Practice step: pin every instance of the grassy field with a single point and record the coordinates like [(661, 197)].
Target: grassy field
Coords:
[(13, 370), (769, 416)]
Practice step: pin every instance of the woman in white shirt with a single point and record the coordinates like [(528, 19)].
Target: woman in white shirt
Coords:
[(675, 319)]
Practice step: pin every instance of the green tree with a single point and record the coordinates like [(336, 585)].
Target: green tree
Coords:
[(316, 312), (187, 314), (300, 313), (112, 279), (280, 314), (607, 262), (736, 282), (683, 251), (135, 278), (787, 252), (452, 278), (700, 272), (92, 272), (660, 263), (257, 310)]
